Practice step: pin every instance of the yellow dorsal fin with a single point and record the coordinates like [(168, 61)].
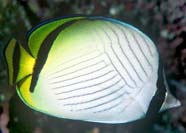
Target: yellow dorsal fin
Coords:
[(38, 34)]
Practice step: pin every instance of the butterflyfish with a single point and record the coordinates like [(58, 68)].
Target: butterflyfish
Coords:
[(88, 68)]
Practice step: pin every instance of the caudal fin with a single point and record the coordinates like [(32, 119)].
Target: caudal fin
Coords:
[(170, 100)]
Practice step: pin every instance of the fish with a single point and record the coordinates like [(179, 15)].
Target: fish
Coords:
[(89, 68)]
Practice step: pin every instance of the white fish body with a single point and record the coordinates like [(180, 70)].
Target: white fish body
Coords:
[(96, 69)]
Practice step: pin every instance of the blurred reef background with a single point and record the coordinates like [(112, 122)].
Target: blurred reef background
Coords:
[(164, 21)]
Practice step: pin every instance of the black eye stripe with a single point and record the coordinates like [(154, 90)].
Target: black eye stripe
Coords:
[(20, 83), (44, 50), (16, 61)]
